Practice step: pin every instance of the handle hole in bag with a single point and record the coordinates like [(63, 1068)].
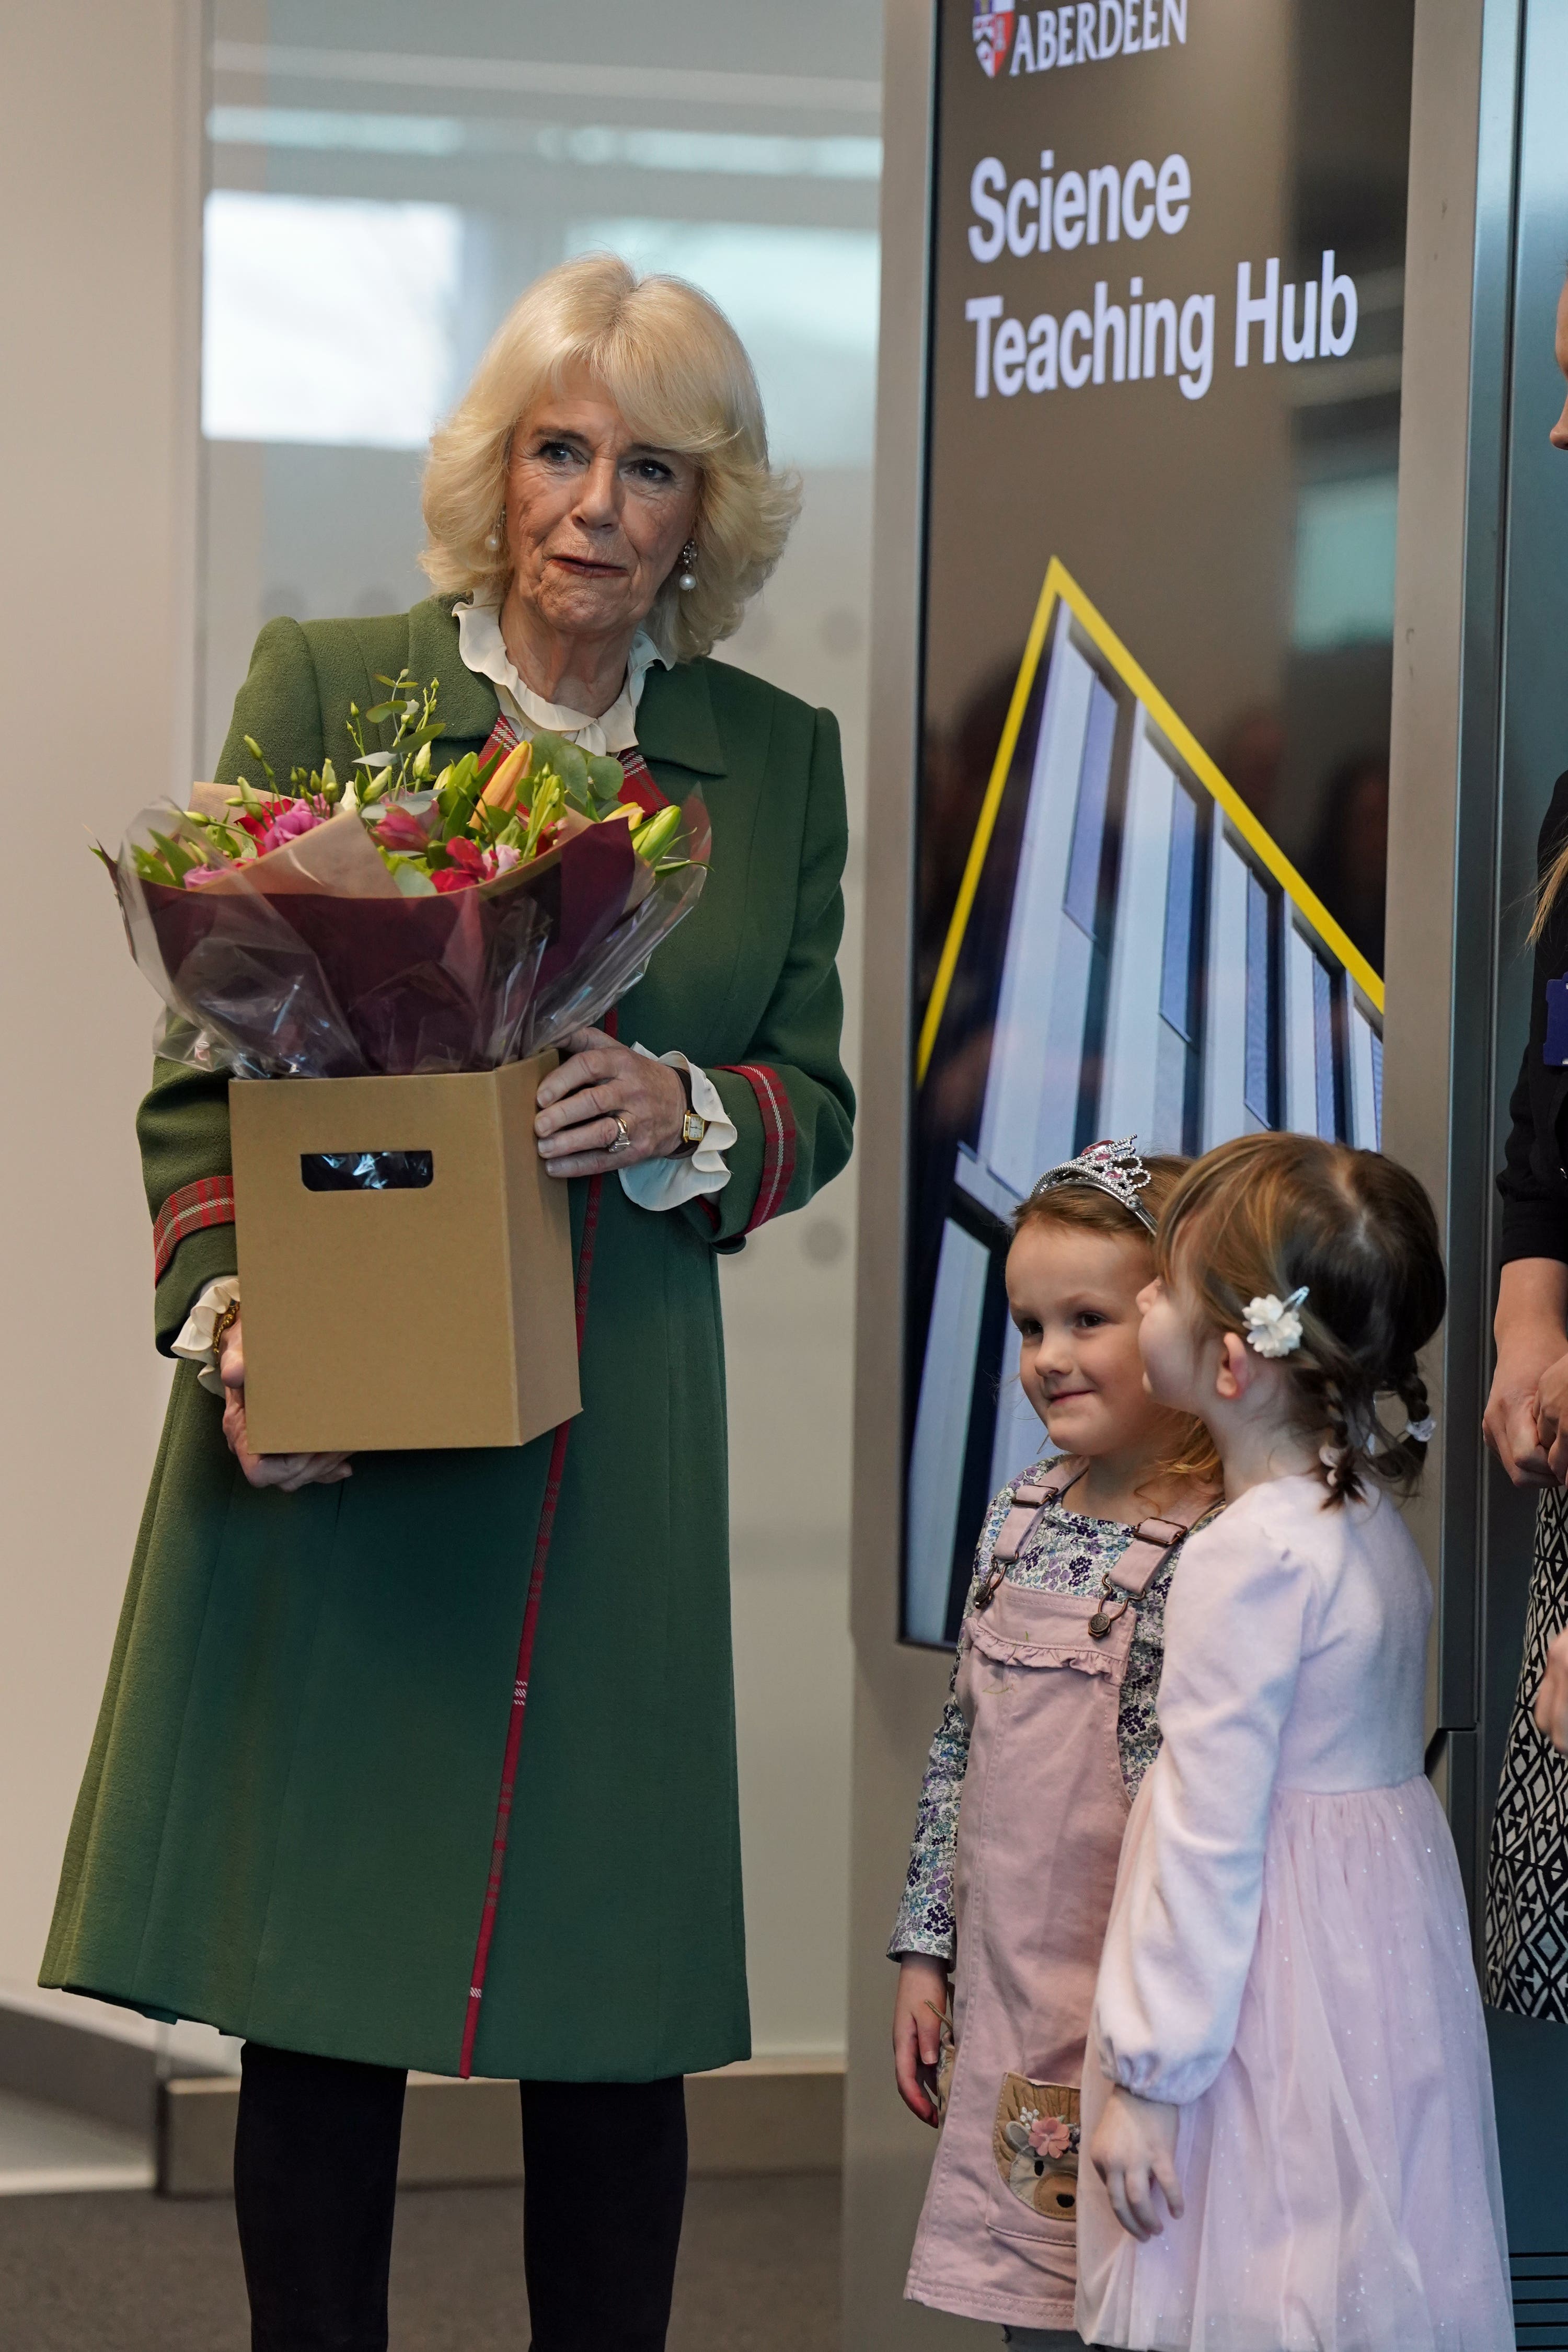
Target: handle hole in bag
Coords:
[(366, 1171)]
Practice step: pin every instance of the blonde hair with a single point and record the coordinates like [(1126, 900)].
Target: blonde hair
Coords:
[(1267, 1214), (677, 370), (1548, 891), (1190, 1455)]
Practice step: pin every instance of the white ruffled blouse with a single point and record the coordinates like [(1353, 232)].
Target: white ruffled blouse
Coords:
[(483, 648), (656, 1184)]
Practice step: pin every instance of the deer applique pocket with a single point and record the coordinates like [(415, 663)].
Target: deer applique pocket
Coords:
[(1036, 2145)]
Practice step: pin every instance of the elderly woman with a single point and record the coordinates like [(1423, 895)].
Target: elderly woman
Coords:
[(314, 1813), (1527, 1427)]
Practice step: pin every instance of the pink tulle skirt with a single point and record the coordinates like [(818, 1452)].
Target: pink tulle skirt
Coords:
[(1340, 2173)]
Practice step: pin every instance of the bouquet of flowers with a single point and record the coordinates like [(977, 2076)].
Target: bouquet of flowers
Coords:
[(404, 919)]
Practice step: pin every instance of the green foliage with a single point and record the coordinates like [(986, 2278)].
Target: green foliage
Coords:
[(446, 806), (254, 748), (169, 860), (590, 784), (404, 765)]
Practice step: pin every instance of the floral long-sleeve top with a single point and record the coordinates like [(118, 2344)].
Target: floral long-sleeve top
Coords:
[(1066, 1553)]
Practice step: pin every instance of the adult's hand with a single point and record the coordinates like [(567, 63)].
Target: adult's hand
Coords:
[(1527, 1412), (600, 1083), (289, 1471), (1552, 1698), (1552, 1417), (919, 2007)]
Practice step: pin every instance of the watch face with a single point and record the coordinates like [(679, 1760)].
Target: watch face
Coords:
[(692, 1128)]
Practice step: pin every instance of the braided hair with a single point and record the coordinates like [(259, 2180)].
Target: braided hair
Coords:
[(1275, 1213)]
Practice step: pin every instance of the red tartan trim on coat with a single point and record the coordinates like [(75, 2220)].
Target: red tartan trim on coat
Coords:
[(639, 786), (778, 1137), (209, 1202), (503, 737), (553, 1476)]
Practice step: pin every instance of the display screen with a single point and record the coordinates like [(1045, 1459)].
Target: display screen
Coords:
[(1165, 307)]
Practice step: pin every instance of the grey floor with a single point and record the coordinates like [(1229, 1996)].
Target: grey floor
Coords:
[(132, 2273)]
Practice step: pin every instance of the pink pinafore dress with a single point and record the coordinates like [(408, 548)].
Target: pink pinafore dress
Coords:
[(1039, 1835)]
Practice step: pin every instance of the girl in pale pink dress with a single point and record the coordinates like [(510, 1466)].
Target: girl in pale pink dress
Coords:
[(1290, 2122)]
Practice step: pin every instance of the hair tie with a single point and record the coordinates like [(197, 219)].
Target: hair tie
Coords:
[(1423, 1431), (1335, 1460), (1273, 1326)]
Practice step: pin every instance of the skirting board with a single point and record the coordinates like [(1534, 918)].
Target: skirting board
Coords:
[(765, 2114), (69, 2064)]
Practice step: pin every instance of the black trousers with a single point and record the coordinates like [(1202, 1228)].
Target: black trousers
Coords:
[(315, 2179)]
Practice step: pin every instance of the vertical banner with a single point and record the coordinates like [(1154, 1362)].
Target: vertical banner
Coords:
[(1165, 306)]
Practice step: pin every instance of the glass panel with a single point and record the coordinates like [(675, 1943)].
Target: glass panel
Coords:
[(327, 319), (384, 185)]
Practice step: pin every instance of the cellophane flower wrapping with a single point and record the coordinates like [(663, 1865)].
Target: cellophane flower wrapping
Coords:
[(267, 973)]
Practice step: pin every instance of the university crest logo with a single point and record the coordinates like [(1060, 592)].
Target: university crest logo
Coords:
[(993, 31)]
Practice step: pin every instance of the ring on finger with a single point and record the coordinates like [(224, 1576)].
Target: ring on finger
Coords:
[(621, 1140)]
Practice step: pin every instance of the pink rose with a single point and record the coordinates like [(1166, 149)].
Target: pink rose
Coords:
[(296, 817), (1048, 2136), (256, 824), (197, 875), (397, 830)]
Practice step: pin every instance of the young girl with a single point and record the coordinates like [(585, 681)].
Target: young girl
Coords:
[(1049, 1730), (1288, 2055)]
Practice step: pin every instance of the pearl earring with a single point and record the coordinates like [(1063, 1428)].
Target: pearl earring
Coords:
[(493, 541), (688, 576)]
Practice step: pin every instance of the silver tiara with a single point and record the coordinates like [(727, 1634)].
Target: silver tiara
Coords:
[(1107, 1167)]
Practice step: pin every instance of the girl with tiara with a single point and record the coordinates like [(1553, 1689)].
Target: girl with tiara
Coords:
[(1288, 2102), (1048, 1729)]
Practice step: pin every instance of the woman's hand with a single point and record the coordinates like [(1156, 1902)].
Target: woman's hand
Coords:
[(1526, 1411), (919, 2007), (289, 1471), (1551, 1416), (1509, 1423), (1552, 1698), (1134, 2152), (580, 1103)]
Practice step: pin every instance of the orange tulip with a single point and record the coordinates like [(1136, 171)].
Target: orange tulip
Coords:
[(500, 793)]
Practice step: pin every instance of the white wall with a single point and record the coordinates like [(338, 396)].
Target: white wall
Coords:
[(97, 491), (789, 1323)]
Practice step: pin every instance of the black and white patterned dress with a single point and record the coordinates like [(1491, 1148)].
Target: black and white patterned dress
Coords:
[(1527, 1876), (1527, 1881)]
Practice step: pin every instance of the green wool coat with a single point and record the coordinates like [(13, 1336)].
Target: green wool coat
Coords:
[(287, 1820)]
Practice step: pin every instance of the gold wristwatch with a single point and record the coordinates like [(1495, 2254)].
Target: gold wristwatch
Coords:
[(693, 1125)]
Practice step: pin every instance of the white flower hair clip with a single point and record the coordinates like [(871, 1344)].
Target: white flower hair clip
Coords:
[(1423, 1431), (1273, 1325)]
